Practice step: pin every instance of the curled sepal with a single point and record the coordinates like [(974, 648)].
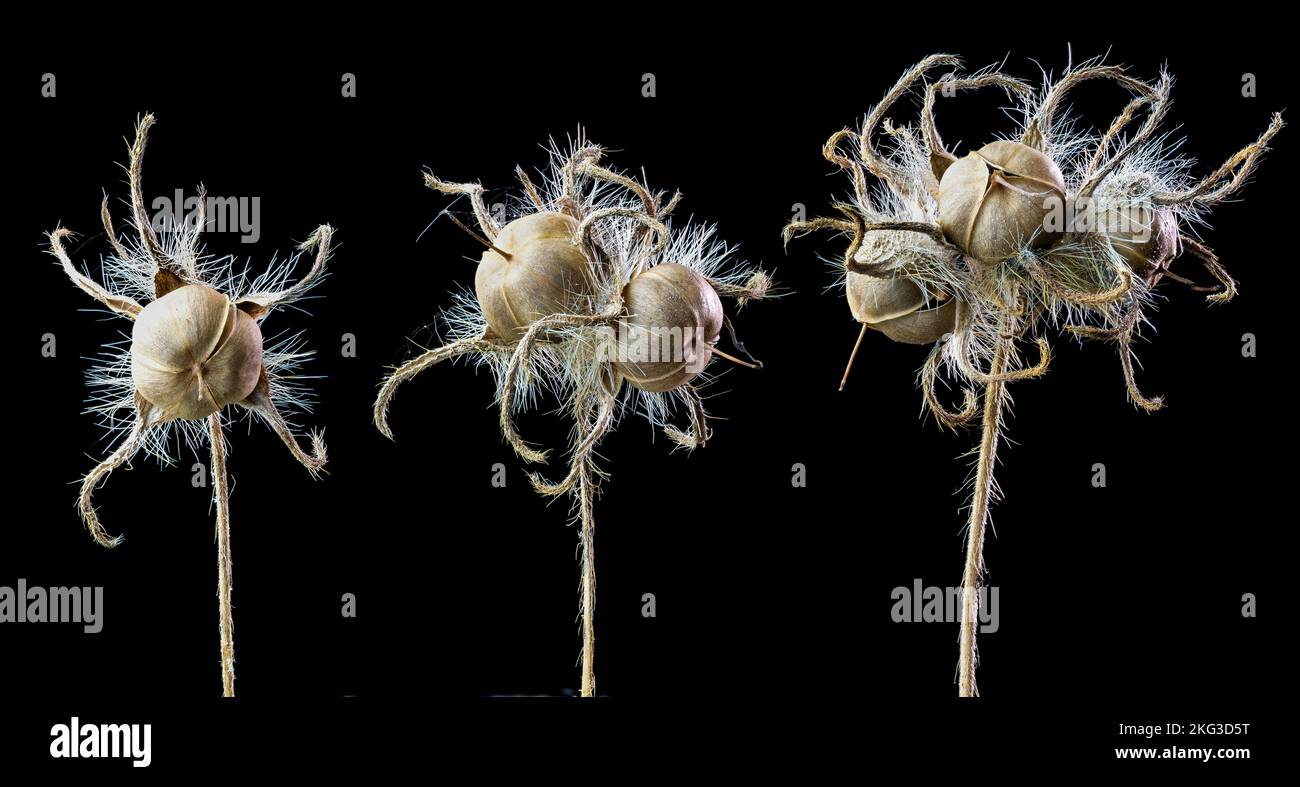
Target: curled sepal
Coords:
[(1227, 287), (1024, 373), (169, 273), (1122, 334), (260, 402), (147, 417), (120, 304), (756, 288), (519, 361), (418, 364), (946, 417), (700, 432), (258, 304), (582, 452)]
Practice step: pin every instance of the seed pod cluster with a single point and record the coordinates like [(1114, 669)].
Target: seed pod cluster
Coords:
[(193, 352), (1016, 274), (586, 287)]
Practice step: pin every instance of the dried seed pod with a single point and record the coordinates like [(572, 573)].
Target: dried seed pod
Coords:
[(923, 326), (675, 316), (874, 300), (535, 269), (193, 352), (894, 307), (994, 201), (1147, 239)]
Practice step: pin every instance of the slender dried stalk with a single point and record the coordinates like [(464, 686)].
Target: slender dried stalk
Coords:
[(222, 495), (994, 392), (588, 582)]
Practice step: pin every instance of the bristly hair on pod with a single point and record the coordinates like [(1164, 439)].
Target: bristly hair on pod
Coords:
[(1085, 276), (623, 247), (582, 260), (128, 271)]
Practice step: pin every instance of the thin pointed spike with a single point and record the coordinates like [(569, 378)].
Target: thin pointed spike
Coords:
[(734, 359), (475, 193), (478, 237), (853, 356)]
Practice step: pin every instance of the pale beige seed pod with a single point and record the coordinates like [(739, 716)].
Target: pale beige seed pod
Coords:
[(894, 307), (193, 352), (541, 272), (1147, 240), (996, 200), (676, 311)]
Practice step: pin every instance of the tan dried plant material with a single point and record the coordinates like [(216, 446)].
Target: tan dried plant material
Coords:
[(196, 348), (584, 273), (1055, 228)]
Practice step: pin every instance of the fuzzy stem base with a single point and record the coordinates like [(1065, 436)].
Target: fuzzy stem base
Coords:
[(222, 495), (994, 393), (588, 584)]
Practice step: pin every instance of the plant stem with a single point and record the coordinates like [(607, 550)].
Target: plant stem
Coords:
[(994, 391), (588, 582), (222, 495)]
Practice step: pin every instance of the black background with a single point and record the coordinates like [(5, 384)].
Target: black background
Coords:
[(1117, 604)]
